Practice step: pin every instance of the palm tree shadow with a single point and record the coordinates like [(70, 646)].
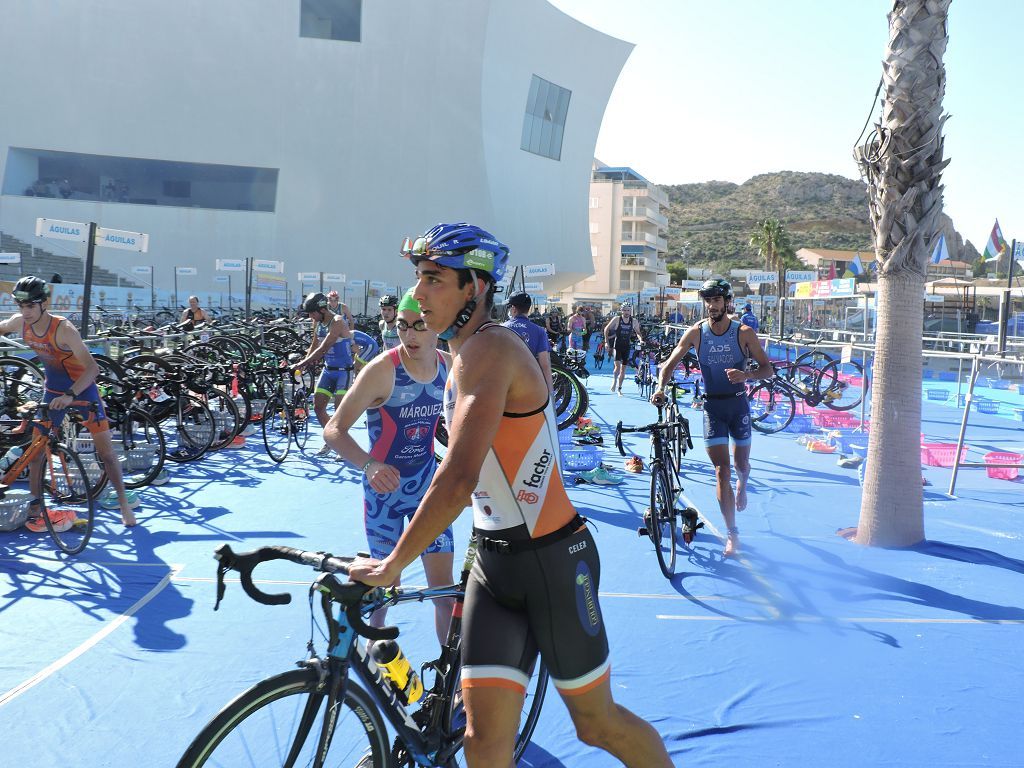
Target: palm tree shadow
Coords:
[(975, 555), (880, 586)]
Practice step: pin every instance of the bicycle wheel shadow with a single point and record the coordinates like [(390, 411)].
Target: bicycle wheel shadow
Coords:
[(535, 756), (119, 575)]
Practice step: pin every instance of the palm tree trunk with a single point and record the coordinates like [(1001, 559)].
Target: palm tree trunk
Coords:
[(892, 511), (902, 164)]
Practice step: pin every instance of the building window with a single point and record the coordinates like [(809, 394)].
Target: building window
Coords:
[(331, 19), (139, 181), (595, 202), (544, 122), (594, 228)]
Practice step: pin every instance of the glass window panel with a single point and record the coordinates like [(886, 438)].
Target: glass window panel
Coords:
[(331, 19), (547, 107)]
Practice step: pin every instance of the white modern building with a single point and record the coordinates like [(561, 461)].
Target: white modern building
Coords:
[(314, 132), (627, 243)]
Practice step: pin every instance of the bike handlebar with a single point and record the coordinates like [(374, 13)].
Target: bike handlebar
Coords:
[(350, 594)]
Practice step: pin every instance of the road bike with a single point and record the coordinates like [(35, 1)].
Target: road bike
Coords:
[(670, 439), (66, 506), (318, 714), (773, 400), (286, 415)]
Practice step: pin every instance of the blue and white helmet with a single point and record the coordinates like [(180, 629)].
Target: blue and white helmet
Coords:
[(460, 246)]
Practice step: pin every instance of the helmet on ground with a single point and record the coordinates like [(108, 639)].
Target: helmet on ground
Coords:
[(715, 287), (387, 300), (30, 288), (314, 302), (460, 246), (409, 303)]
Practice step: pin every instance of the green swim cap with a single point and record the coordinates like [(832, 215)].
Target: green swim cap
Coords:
[(408, 303)]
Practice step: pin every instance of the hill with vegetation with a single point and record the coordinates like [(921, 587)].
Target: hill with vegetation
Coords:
[(712, 222)]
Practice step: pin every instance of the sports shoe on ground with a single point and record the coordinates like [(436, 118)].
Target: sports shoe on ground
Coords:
[(62, 520), (634, 464), (109, 499), (600, 476), (325, 451)]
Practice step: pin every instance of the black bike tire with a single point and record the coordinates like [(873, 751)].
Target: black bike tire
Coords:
[(775, 392), (830, 376), (18, 374), (275, 404), (300, 425), (296, 682), (234, 417), (811, 360), (662, 515), (137, 414), (69, 547), (172, 416), (569, 392)]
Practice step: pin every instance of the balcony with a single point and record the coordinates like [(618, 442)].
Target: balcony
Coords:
[(637, 262)]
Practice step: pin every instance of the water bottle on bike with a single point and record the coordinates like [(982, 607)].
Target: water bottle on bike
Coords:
[(396, 668)]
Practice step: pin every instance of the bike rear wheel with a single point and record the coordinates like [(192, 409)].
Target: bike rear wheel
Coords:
[(571, 398), (771, 407), (264, 724), (841, 385), (662, 526)]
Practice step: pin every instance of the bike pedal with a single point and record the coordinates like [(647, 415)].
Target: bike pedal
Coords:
[(642, 531)]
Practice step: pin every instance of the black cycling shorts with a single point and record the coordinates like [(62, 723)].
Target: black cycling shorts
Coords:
[(540, 600), (623, 352)]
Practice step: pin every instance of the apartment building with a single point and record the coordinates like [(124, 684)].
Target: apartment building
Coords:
[(627, 243)]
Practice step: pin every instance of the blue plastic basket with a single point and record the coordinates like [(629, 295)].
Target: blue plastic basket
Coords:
[(801, 423), (946, 376), (859, 449), (986, 406), (581, 459), (999, 384), (939, 395), (1018, 414), (565, 436)]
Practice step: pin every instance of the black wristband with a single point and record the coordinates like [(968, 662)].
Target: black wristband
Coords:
[(70, 393)]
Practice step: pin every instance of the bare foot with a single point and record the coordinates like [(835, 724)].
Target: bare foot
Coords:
[(128, 517), (732, 545), (741, 491)]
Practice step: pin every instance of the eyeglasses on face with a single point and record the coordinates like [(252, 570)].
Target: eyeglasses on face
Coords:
[(419, 325), (21, 303)]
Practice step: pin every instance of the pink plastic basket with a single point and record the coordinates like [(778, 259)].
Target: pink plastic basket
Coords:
[(1003, 457), (834, 419), (941, 454)]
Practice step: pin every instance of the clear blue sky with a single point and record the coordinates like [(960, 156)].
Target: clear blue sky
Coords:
[(729, 89)]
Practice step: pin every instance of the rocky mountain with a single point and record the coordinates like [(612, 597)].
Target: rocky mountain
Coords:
[(713, 221)]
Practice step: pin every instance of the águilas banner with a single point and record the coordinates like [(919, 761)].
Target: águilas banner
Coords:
[(230, 265), (267, 265)]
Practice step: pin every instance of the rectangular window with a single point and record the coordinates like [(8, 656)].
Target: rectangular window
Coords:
[(331, 19), (593, 228), (139, 181), (595, 202), (547, 106)]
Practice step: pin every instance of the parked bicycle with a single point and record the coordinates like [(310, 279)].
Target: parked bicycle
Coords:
[(286, 414), (318, 714), (66, 506)]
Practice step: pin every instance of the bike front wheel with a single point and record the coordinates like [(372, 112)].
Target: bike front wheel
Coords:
[(68, 507), (280, 721), (277, 429), (841, 385)]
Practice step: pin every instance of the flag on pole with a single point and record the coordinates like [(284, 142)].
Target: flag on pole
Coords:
[(941, 252), (856, 266), (832, 271), (996, 245)]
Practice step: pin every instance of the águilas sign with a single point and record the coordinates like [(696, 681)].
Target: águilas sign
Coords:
[(55, 229), (266, 265), (230, 265), (127, 241)]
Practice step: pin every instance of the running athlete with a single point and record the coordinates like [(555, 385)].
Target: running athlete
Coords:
[(331, 340), (70, 381), (723, 348), (577, 328), (335, 304), (534, 585), (618, 336), (536, 339), (401, 393), (386, 324)]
